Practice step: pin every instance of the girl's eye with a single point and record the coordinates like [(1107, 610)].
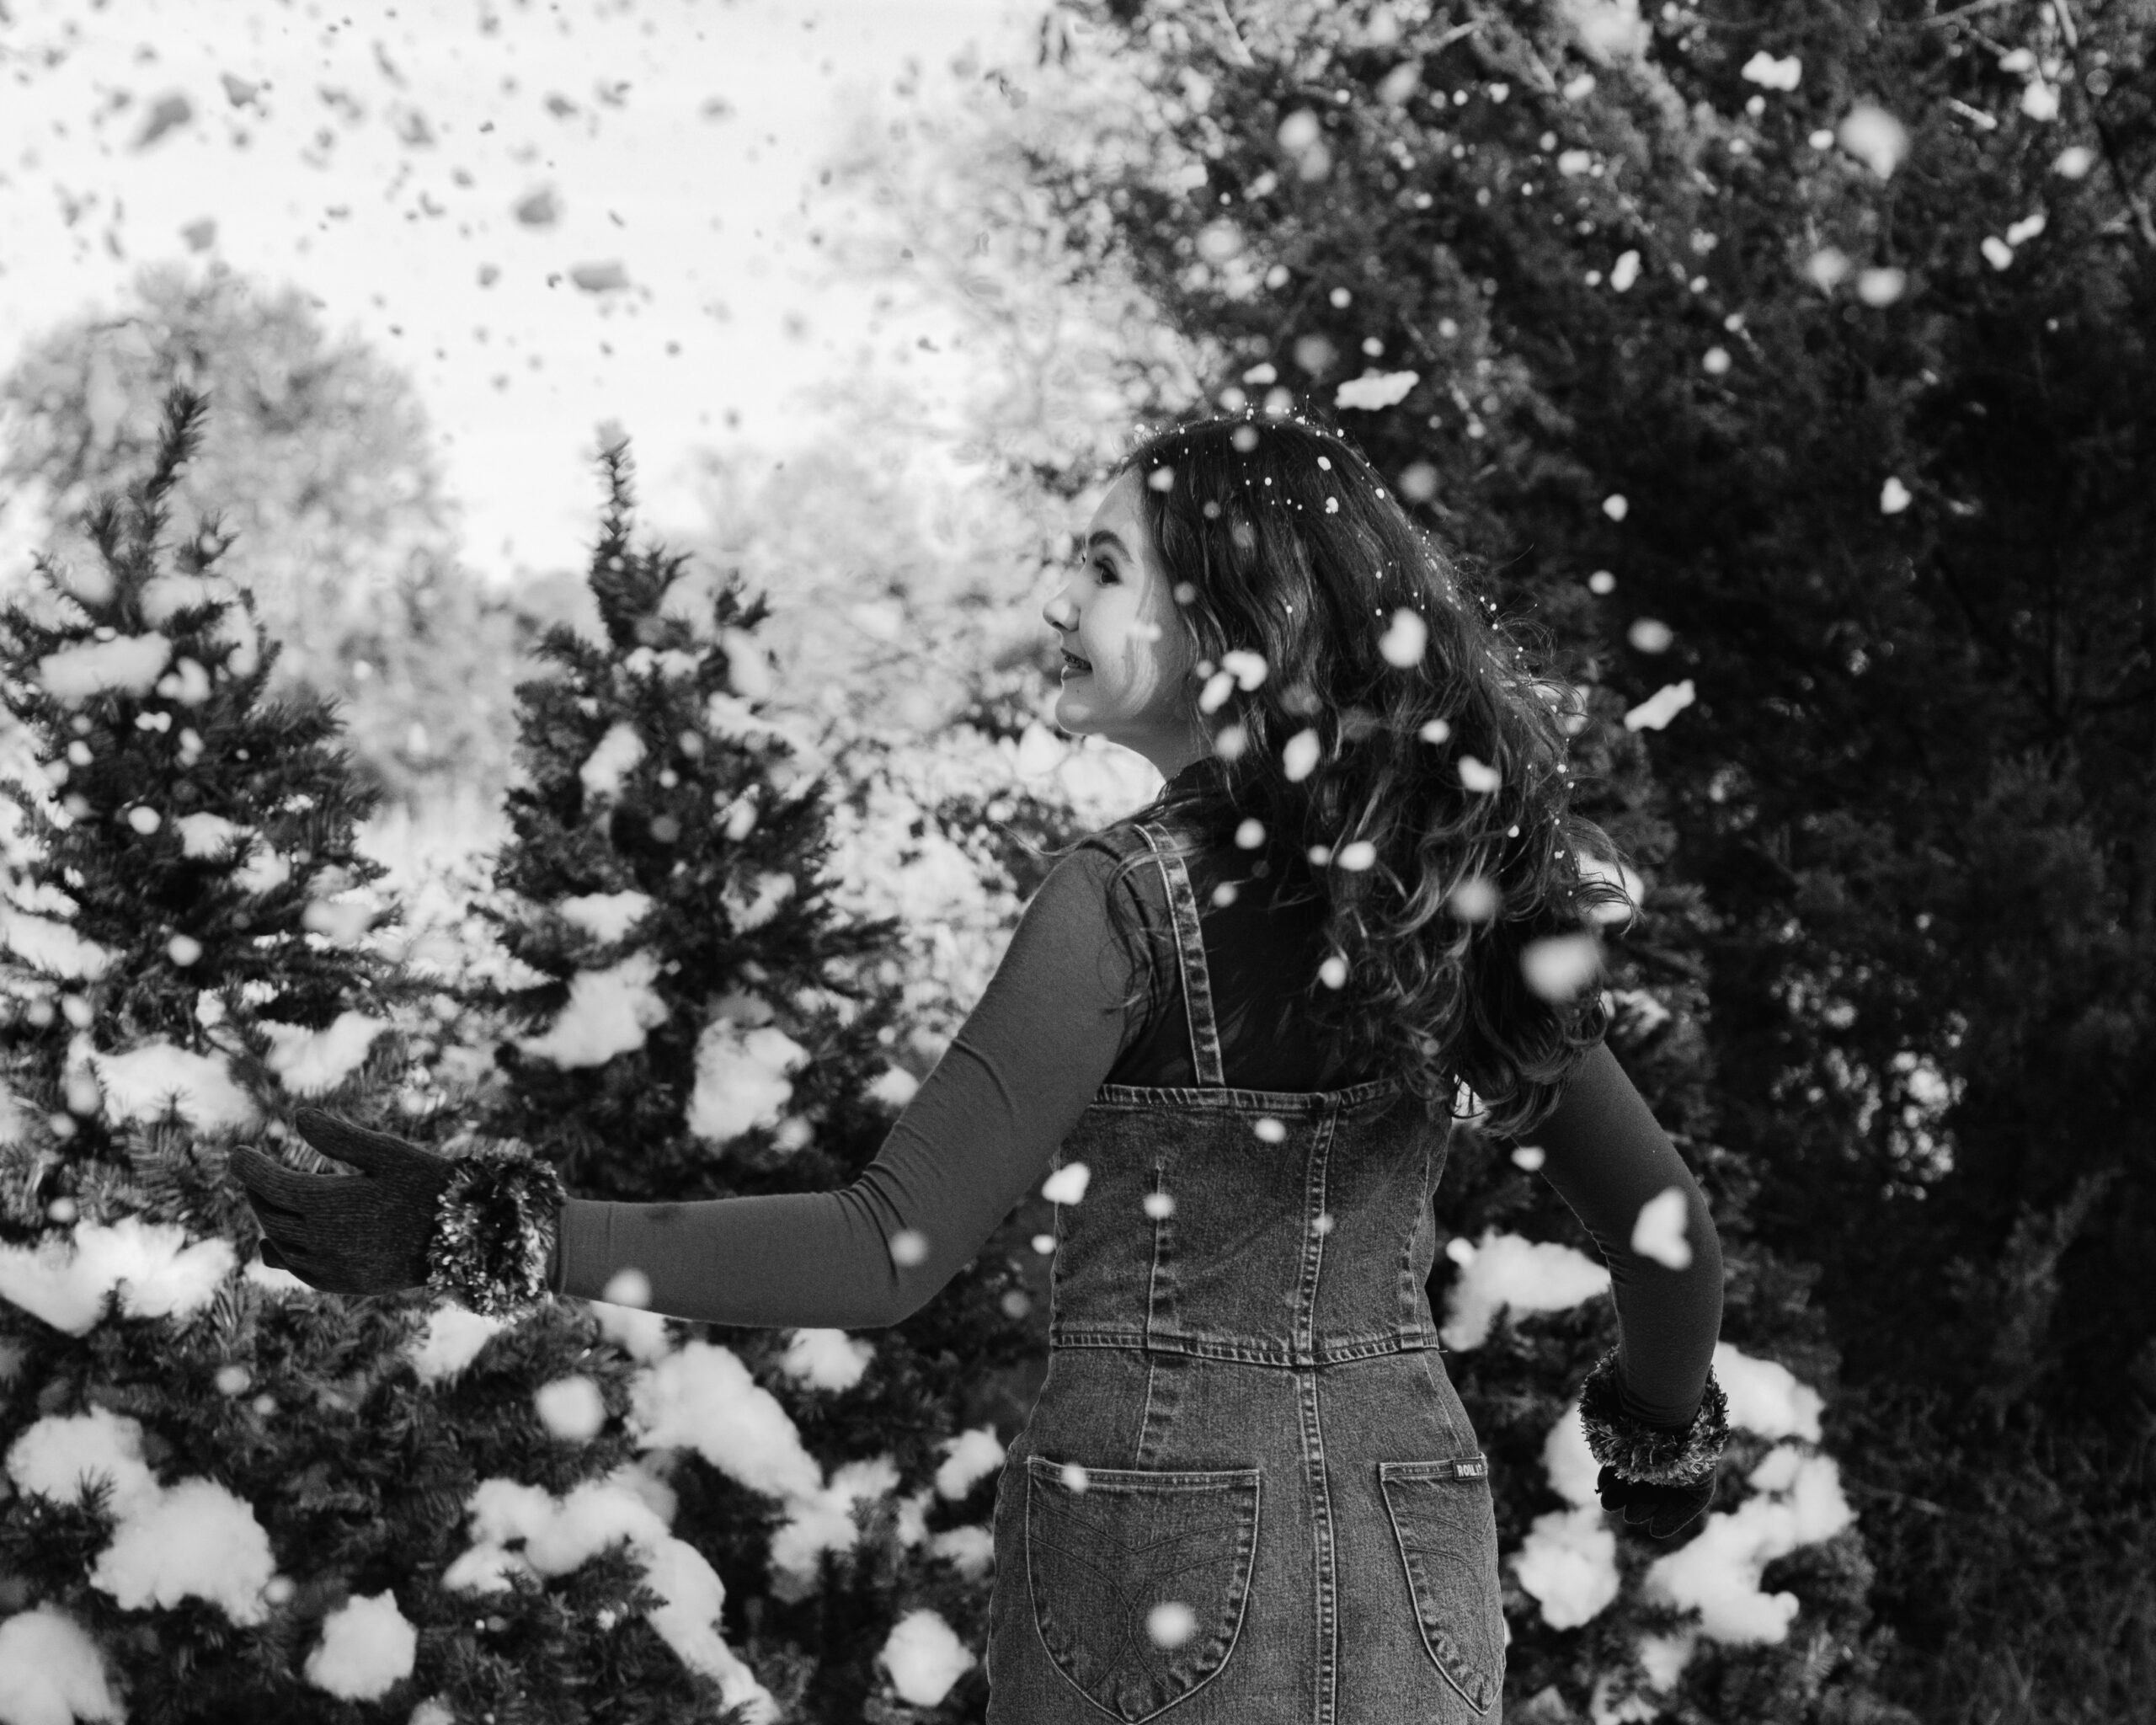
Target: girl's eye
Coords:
[(1102, 564)]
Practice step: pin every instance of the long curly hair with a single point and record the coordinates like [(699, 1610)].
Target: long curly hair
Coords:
[(1380, 735)]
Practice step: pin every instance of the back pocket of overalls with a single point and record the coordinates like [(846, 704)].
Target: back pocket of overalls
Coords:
[(1446, 1527), (1139, 1578)]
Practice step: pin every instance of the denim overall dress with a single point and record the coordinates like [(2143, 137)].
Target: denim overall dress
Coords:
[(1248, 1494)]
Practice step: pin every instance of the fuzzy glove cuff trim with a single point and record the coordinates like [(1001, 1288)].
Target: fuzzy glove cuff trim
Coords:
[(1652, 1454), (494, 1231)]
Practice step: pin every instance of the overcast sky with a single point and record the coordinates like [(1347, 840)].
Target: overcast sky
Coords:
[(379, 159)]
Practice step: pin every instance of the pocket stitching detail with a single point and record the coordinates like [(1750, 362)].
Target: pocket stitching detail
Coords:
[(1438, 1472), (1132, 1480)]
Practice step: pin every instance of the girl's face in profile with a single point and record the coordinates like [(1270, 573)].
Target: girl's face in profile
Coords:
[(1118, 612)]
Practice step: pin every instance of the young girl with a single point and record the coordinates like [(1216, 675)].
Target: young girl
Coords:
[(1248, 1489)]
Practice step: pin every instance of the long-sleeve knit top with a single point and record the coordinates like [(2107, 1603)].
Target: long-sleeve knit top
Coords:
[(977, 1137)]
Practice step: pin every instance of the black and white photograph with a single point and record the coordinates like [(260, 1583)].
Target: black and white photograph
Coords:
[(1055, 861)]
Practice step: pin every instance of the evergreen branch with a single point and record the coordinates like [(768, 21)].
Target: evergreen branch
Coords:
[(1662, 958), (1944, 18), (1242, 55)]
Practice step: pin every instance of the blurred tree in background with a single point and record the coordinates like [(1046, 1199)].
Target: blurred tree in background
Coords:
[(317, 455), (1794, 360)]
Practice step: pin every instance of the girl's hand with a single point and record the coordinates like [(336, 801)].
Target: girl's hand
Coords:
[(1662, 1510), (367, 1235)]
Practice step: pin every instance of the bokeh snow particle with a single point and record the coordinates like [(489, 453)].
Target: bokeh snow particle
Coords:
[(1615, 507), (1655, 713), (1403, 643), (1170, 1623), (1625, 272), (1893, 496), (1474, 899), (1375, 390), (1298, 131), (628, 1286), (1827, 267), (1650, 634), (1875, 137), (1067, 1184), (571, 1408), (1559, 966), (1658, 1232), (1476, 776), (1773, 74), (1881, 287)]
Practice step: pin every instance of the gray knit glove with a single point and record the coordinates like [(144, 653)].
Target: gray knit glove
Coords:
[(479, 1227)]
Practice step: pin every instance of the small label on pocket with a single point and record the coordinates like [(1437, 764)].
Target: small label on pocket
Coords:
[(1471, 1469)]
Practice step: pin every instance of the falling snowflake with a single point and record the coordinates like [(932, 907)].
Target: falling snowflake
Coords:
[(1067, 1184)]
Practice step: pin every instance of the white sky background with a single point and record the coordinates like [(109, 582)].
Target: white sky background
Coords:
[(709, 218)]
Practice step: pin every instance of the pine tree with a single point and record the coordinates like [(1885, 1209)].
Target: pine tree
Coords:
[(696, 1020), (275, 1482)]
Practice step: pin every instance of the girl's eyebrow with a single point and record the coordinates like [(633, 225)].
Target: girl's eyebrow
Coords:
[(1105, 537)]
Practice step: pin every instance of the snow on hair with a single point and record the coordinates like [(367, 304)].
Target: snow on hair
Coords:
[(1352, 748)]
